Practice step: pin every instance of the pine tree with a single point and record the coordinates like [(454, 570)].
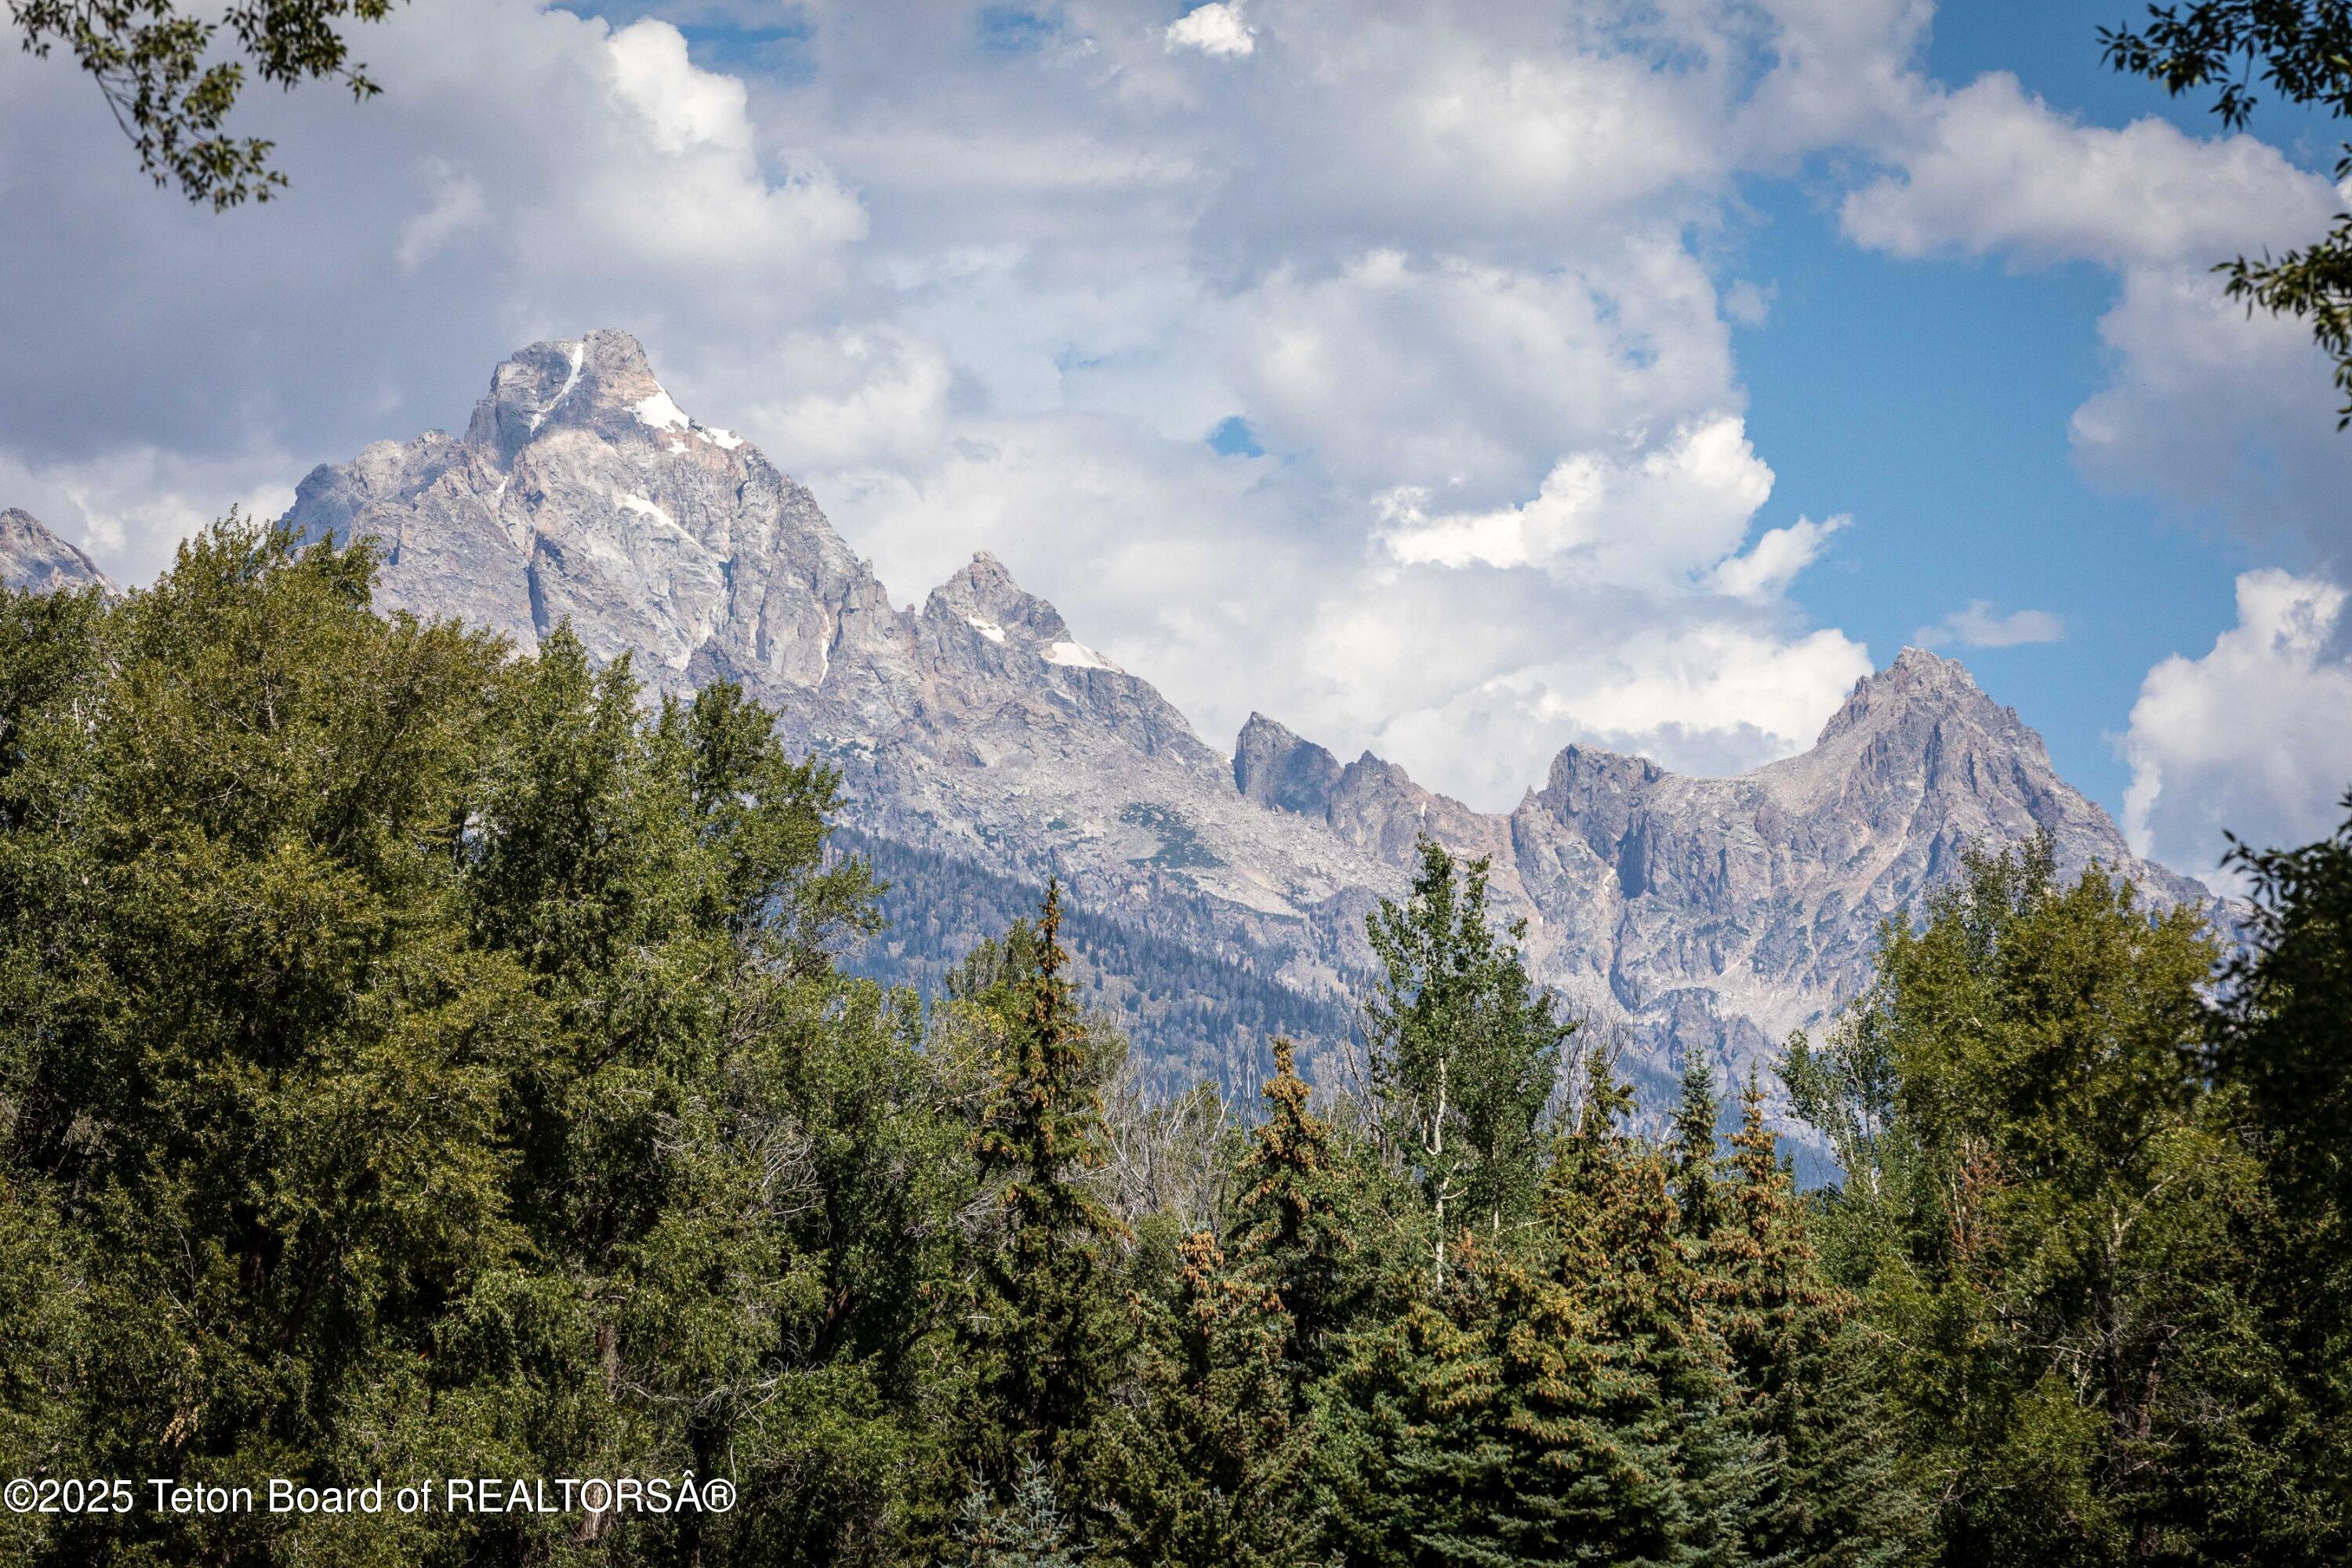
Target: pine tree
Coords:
[(1290, 1227), (1561, 1400), (1409, 1468), (1203, 1471), (1045, 1333), (1687, 1458), (1026, 1528), (1692, 1149), (1825, 1486)]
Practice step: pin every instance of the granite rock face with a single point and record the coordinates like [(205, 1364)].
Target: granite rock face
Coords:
[(33, 559), (978, 726), (1723, 913), (1711, 915)]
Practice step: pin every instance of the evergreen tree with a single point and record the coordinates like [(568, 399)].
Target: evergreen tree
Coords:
[(1291, 1228), (1045, 1331), (1028, 1529), (1204, 1471), (1692, 1145), (2280, 1045), (1822, 1467), (1562, 1402), (1689, 1457), (2059, 1259)]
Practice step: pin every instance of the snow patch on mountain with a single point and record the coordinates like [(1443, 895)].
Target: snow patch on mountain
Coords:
[(660, 412)]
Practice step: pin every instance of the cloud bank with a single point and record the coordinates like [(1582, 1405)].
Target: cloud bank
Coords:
[(991, 278)]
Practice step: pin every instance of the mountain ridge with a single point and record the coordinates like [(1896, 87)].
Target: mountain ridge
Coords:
[(1711, 916), (33, 558)]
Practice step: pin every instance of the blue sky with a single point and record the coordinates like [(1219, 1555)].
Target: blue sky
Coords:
[(1453, 382), (1932, 398)]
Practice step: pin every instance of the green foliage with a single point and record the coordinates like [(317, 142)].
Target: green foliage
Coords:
[(155, 64), (1465, 1048), (2303, 50), (1692, 1141), (1027, 1530), (419, 1060), (1560, 1398), (1292, 1220), (2281, 1043), (1822, 1468), (2283, 1035), (1206, 1467), (2056, 1231), (1040, 1333)]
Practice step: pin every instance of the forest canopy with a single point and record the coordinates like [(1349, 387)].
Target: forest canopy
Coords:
[(419, 1059)]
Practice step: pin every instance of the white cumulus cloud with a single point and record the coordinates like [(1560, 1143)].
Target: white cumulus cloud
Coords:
[(1772, 563), (1643, 520), (2253, 738), (1999, 170), (992, 291), (1215, 29), (2206, 407)]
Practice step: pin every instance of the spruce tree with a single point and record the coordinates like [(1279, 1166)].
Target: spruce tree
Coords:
[(1204, 1469), (1291, 1228), (1686, 1484), (1692, 1148), (1557, 1399), (1044, 1330), (1825, 1486), (1409, 1469)]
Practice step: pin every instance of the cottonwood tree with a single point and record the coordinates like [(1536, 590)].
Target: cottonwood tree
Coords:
[(171, 74), (2301, 51), (1464, 1046)]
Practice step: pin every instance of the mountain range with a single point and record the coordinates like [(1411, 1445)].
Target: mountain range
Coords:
[(982, 743)]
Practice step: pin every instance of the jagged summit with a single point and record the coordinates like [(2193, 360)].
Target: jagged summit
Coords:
[(581, 492), (985, 595), (1718, 913), (33, 558), (601, 383), (1918, 681), (1275, 768), (1713, 915)]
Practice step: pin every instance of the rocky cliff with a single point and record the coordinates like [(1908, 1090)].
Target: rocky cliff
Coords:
[(1711, 915), (33, 558)]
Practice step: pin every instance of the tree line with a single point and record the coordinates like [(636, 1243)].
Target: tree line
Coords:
[(419, 1060), (1188, 1014)]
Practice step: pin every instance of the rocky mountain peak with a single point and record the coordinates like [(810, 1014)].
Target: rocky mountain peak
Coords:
[(1711, 914), (1588, 784), (1275, 768), (36, 559), (601, 383), (582, 492), (1918, 684), (985, 595)]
